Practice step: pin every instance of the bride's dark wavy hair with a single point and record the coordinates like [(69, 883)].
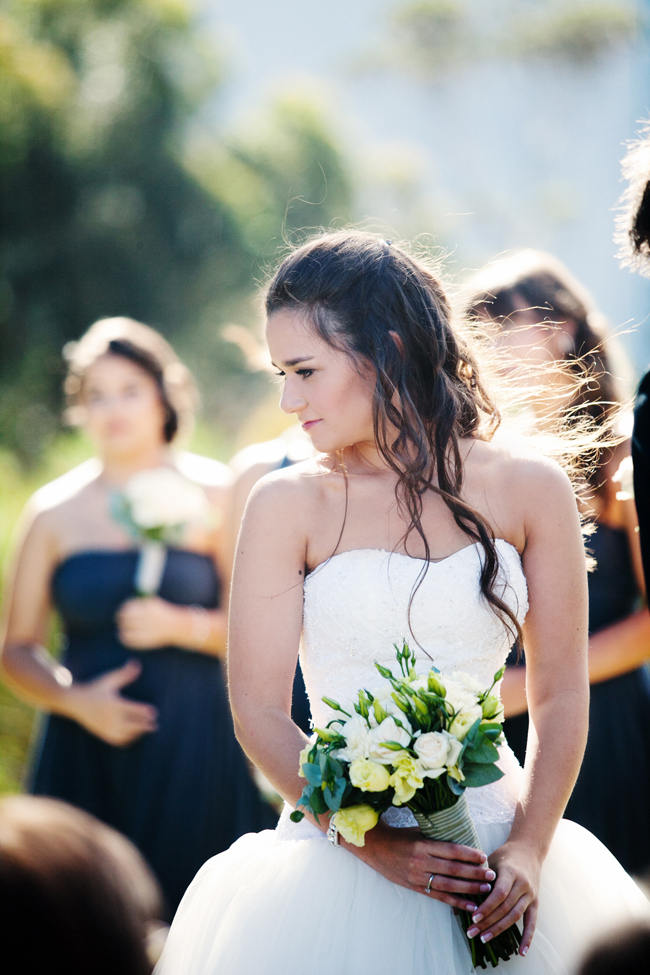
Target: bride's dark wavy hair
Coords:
[(370, 299)]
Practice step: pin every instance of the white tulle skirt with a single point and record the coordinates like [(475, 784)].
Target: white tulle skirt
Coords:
[(285, 902)]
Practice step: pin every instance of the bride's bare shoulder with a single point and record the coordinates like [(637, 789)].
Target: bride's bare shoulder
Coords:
[(515, 482), (299, 488)]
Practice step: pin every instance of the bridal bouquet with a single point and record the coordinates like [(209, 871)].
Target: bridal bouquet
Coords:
[(155, 507), (419, 743)]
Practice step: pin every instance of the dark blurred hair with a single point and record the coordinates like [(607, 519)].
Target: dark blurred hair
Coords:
[(384, 308), (633, 220), (148, 350), (620, 952), (75, 896), (535, 282)]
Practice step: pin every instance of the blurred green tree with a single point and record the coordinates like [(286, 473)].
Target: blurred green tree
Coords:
[(118, 195)]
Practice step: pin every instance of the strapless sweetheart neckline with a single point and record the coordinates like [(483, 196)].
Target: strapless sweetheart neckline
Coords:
[(404, 555)]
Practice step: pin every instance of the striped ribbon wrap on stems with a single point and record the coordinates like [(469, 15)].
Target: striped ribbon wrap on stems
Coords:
[(454, 825)]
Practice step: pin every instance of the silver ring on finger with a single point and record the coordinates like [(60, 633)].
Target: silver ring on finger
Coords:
[(428, 887)]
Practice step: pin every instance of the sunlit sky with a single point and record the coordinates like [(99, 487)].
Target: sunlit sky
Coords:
[(504, 155)]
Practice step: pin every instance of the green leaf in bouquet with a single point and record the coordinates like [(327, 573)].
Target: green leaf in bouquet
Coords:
[(317, 802), (477, 775), (492, 729), (312, 773), (482, 751), (334, 767), (296, 816), (333, 794)]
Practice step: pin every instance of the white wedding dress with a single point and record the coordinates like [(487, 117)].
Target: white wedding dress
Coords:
[(286, 902)]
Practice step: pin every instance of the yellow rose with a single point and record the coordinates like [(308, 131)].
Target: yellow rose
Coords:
[(354, 822), (406, 779), (369, 776), (455, 773)]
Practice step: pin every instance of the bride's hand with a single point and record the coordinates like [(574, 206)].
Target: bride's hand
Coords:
[(405, 857), (514, 895)]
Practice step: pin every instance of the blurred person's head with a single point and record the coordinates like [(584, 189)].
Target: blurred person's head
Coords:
[(548, 332), (75, 895), (127, 388), (633, 220), (619, 952)]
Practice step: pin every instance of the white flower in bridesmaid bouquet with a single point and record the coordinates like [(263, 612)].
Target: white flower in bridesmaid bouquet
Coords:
[(155, 507), (161, 498)]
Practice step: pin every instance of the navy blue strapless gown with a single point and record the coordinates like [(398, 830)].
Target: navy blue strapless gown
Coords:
[(184, 792), (612, 795)]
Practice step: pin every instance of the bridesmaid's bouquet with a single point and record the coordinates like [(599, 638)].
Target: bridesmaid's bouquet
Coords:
[(155, 507), (419, 743)]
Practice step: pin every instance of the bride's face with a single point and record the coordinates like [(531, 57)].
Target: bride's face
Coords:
[(330, 396)]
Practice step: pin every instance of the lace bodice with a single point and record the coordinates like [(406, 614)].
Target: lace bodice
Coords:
[(356, 606)]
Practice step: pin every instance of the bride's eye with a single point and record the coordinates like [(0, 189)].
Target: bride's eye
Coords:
[(279, 374), (305, 373)]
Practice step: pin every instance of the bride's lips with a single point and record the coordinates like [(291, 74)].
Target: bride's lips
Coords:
[(308, 424)]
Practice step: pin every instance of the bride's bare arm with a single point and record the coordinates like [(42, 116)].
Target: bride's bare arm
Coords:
[(264, 634), (555, 638)]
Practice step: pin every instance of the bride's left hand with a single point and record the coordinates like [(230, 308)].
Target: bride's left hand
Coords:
[(147, 622), (513, 896)]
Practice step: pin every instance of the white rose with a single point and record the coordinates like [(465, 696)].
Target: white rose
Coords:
[(357, 737), (162, 497), (455, 748), (388, 730), (432, 749), (459, 696)]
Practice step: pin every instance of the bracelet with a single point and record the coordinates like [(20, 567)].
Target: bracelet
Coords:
[(201, 625), (333, 833)]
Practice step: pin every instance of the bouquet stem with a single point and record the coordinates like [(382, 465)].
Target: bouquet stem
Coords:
[(150, 567), (454, 825)]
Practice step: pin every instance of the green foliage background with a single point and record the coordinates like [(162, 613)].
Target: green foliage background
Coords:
[(120, 193)]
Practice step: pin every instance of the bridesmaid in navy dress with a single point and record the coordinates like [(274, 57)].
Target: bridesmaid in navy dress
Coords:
[(137, 728), (544, 316)]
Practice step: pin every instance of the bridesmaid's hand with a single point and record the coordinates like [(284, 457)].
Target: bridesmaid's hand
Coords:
[(147, 623), (100, 708), (514, 895), (405, 857)]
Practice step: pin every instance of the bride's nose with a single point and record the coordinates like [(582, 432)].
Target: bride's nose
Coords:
[(292, 399)]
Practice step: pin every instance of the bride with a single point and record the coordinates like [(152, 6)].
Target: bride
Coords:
[(411, 522)]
